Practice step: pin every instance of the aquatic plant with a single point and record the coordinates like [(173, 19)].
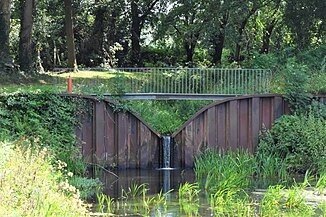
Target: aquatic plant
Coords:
[(136, 190), (216, 170), (188, 191), (271, 202), (229, 203), (321, 183), (270, 165)]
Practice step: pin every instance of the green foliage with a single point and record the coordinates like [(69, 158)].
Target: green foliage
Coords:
[(86, 186), (321, 183), (224, 172), (46, 120), (271, 202), (298, 139), (30, 186), (165, 116)]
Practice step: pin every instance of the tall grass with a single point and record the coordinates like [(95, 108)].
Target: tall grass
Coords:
[(30, 186), (218, 171)]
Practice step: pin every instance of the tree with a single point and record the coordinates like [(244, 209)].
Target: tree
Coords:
[(72, 63), (25, 57), (140, 11), (185, 23), (307, 20), (246, 9), (218, 13), (5, 59)]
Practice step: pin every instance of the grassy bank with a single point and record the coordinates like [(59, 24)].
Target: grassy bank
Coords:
[(31, 185)]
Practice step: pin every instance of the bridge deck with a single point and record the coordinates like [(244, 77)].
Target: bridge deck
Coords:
[(170, 96)]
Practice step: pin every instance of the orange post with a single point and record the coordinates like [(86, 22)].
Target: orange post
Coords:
[(69, 85)]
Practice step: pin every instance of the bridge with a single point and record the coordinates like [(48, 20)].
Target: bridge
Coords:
[(178, 83), (124, 140)]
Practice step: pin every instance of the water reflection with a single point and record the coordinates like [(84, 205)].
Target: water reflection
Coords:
[(156, 180)]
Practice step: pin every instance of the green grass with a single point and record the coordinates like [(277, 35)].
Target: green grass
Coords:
[(31, 186)]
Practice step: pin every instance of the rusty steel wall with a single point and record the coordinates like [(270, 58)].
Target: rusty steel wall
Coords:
[(124, 140), (230, 124), (117, 139)]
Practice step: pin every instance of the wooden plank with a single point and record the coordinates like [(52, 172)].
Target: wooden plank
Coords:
[(122, 140), (198, 137), (255, 121), (233, 130), (243, 124), (211, 129), (143, 146), (266, 114), (100, 132), (221, 127), (133, 143), (109, 137), (154, 151), (189, 145)]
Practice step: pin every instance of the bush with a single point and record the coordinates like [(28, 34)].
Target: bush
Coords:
[(46, 120), (30, 186), (298, 139), (165, 116)]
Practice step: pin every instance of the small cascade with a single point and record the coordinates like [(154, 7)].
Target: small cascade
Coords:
[(166, 159), (166, 151)]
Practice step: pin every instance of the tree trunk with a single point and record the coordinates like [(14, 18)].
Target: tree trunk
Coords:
[(95, 43), (266, 38), (25, 57), (70, 35), (218, 48), (190, 45), (219, 41), (5, 59), (135, 35), (138, 17), (237, 53), (190, 49)]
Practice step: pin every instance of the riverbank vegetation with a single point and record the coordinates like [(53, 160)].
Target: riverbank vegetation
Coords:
[(33, 183), (46, 120)]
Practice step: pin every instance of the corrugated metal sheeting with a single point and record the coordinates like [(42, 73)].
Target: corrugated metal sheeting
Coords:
[(117, 139), (122, 139), (230, 124)]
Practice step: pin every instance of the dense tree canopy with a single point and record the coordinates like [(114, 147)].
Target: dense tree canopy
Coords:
[(154, 32)]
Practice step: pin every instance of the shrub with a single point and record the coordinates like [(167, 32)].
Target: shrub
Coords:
[(30, 186), (46, 120), (299, 139)]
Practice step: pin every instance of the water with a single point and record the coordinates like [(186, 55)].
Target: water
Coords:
[(157, 180), (166, 153), (169, 181)]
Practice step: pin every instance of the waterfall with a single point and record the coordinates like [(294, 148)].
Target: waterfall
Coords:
[(166, 152)]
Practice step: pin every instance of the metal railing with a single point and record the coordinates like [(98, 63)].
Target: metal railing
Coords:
[(195, 80), (183, 81)]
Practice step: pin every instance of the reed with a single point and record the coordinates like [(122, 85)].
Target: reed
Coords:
[(136, 190), (188, 192), (271, 166), (321, 183), (230, 170)]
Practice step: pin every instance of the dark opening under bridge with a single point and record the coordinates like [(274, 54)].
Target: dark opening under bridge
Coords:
[(122, 139), (178, 83)]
